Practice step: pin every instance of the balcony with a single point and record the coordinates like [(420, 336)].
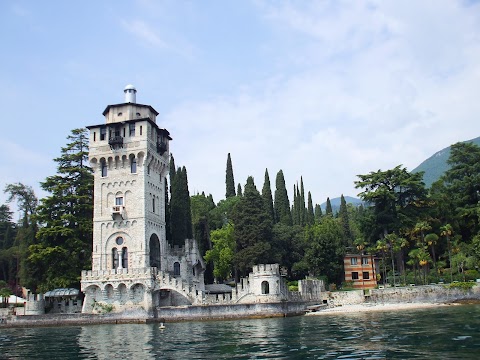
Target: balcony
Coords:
[(118, 210), (161, 147), (116, 142)]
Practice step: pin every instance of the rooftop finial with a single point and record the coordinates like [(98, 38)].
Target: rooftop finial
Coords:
[(130, 94)]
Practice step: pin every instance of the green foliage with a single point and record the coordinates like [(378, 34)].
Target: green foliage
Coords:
[(223, 251), (281, 203), (267, 197), (253, 230), (465, 286), (102, 308), (328, 208), (324, 249), (229, 180), (65, 238), (180, 209)]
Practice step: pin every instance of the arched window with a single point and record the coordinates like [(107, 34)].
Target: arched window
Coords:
[(153, 203), (133, 165), (114, 258), (176, 269), (125, 258), (265, 287), (103, 165)]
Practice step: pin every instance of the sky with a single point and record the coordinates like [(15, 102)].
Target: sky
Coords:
[(323, 90)]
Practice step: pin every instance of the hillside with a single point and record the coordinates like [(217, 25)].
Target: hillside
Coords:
[(436, 165), (336, 203)]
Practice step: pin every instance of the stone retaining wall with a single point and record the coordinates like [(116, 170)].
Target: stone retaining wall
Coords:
[(237, 311)]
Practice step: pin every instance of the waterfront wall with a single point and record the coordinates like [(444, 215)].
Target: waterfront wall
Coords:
[(237, 311), (409, 294), (427, 293)]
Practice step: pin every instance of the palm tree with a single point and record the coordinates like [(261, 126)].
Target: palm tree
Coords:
[(447, 231), (431, 240)]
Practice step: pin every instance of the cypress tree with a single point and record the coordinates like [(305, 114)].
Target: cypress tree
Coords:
[(281, 204), (167, 212), (318, 213), (253, 229), (345, 222), (239, 190), (295, 214), (302, 209), (229, 181), (328, 208), (180, 209), (187, 204), (310, 214), (267, 196)]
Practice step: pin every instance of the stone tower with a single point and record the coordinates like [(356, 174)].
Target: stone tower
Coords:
[(130, 157)]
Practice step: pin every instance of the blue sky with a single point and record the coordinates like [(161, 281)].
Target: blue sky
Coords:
[(320, 89)]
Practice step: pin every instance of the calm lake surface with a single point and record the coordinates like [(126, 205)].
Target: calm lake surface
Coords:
[(451, 332)]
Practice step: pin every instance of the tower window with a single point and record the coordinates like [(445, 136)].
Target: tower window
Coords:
[(119, 240), (103, 133), (131, 128), (153, 204), (119, 201), (123, 132), (114, 258), (94, 136), (125, 258), (176, 269), (140, 129), (103, 165), (133, 165), (265, 287)]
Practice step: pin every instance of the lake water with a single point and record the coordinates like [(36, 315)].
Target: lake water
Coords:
[(451, 332)]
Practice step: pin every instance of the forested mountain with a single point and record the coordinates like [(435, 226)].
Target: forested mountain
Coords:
[(436, 165), (335, 203)]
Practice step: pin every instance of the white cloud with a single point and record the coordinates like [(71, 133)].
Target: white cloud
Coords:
[(384, 84), (144, 32)]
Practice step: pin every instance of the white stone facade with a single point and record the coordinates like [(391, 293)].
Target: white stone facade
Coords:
[(131, 258)]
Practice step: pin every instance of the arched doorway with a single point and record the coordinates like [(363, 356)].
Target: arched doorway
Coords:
[(154, 251), (265, 287)]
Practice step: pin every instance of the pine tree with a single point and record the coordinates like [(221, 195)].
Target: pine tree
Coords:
[(229, 181), (310, 214), (267, 196), (328, 208), (65, 239), (281, 204)]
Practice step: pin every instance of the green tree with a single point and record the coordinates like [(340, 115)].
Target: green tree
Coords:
[(281, 204), (7, 249), (180, 209), (267, 196), (328, 208), (253, 230), (239, 190), (65, 239), (223, 252), (345, 222), (318, 213), (462, 183), (229, 180), (397, 197), (310, 219), (324, 250)]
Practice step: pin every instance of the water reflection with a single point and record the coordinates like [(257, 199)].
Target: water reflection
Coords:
[(442, 333), (130, 341)]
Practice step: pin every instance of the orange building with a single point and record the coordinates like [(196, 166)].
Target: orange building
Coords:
[(360, 270)]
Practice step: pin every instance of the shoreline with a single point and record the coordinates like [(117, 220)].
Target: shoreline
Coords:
[(376, 307)]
